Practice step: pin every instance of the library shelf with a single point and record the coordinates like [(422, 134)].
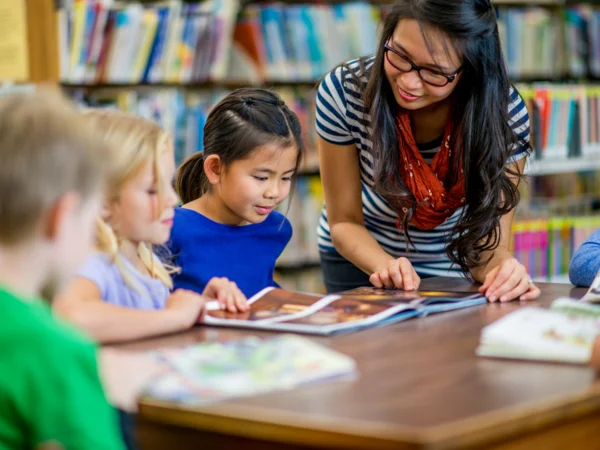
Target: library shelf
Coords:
[(561, 165)]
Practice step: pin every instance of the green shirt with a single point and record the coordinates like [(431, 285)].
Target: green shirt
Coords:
[(50, 389)]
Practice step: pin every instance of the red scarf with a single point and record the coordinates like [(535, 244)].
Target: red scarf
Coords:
[(439, 188)]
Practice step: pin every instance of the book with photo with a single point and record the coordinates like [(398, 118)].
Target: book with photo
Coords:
[(540, 334), (281, 310), (213, 371)]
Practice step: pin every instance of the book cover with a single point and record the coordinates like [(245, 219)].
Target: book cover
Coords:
[(540, 334), (213, 371)]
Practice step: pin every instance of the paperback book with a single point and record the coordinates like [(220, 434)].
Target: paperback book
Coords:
[(566, 332), (214, 371), (281, 310)]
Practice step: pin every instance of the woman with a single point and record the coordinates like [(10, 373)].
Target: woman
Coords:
[(421, 149)]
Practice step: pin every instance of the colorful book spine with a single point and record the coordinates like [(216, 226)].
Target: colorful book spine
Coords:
[(546, 246)]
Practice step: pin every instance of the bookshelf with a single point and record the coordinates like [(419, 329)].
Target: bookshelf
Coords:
[(562, 165), (177, 96)]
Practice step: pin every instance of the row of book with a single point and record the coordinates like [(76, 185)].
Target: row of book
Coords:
[(545, 246), (105, 41), (183, 114), (565, 119), (541, 42)]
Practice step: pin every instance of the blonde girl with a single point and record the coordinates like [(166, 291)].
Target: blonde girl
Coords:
[(123, 290)]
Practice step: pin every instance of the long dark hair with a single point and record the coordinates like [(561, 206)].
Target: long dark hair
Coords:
[(240, 123), (480, 112)]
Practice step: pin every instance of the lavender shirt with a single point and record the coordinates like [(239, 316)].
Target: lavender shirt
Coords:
[(104, 274)]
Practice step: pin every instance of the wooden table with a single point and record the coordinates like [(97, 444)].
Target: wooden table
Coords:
[(420, 387)]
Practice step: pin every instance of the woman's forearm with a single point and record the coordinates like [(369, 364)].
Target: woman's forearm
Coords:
[(498, 255), (354, 242)]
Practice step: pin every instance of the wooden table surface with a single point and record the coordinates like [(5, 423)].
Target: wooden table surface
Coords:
[(420, 386)]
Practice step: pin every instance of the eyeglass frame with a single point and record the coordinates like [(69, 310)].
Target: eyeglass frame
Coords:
[(449, 78)]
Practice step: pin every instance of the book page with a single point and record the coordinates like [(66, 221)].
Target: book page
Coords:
[(14, 50), (593, 293), (540, 334), (398, 296), (276, 303), (347, 310)]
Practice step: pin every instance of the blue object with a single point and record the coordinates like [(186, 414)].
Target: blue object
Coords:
[(586, 261), (204, 249)]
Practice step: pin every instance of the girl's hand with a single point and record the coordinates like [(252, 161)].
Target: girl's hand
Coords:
[(187, 306), (227, 293), (398, 273), (508, 281)]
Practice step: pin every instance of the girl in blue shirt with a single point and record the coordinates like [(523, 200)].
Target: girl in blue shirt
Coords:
[(228, 226)]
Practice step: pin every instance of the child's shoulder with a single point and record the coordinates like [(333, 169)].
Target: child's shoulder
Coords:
[(97, 265), (278, 221), (185, 216)]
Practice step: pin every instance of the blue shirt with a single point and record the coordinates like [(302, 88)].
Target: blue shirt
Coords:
[(204, 249), (586, 261)]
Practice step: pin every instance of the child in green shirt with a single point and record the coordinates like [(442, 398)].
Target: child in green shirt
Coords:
[(52, 173)]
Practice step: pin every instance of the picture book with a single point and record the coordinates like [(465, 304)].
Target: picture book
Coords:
[(213, 371), (281, 310), (540, 334), (593, 293), (589, 305)]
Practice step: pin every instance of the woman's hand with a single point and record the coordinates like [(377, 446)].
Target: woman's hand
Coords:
[(508, 281), (397, 273), (227, 293)]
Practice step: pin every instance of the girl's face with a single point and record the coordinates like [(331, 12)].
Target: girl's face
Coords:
[(410, 91), (251, 188), (139, 214)]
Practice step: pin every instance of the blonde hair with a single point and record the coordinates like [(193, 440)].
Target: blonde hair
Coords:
[(133, 141), (46, 150)]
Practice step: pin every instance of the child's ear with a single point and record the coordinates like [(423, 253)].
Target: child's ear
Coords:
[(59, 213), (213, 168)]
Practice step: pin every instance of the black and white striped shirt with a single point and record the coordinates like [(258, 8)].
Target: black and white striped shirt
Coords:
[(339, 120)]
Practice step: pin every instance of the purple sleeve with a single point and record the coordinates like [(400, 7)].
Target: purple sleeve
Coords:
[(97, 270)]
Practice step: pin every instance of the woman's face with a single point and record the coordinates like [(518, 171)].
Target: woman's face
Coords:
[(410, 91)]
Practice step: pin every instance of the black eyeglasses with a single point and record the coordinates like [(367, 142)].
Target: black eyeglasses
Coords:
[(429, 76)]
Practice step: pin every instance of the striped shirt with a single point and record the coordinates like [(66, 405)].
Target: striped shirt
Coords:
[(339, 120)]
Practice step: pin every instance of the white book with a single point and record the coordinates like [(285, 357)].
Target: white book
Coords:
[(540, 334)]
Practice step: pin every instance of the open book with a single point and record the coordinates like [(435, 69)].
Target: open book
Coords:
[(281, 310), (540, 334), (589, 305), (213, 371)]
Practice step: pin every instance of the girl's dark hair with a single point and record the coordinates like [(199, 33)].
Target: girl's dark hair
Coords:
[(243, 121), (479, 109)]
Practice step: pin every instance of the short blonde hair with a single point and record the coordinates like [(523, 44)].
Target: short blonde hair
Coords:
[(134, 141), (46, 150)]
